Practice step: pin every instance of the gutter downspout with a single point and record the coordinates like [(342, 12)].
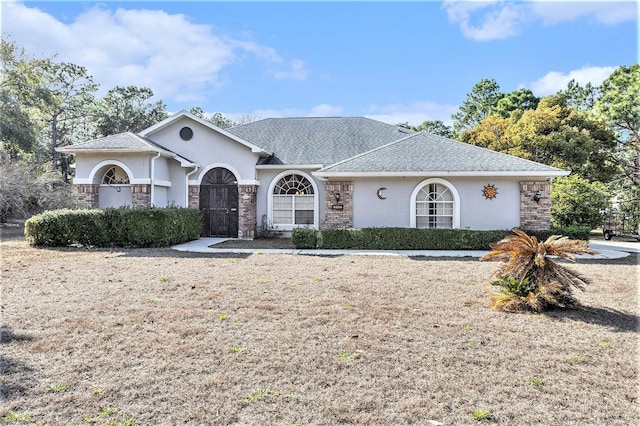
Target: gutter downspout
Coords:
[(186, 182), (152, 180)]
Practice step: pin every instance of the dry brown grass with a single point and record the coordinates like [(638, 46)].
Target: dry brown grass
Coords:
[(171, 338)]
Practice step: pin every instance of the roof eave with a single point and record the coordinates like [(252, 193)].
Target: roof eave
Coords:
[(439, 173), (70, 150), (288, 166), (183, 161)]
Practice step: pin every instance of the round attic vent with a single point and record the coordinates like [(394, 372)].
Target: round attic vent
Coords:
[(186, 133)]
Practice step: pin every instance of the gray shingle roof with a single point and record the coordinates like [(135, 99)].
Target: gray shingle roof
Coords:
[(317, 140), (424, 152), (121, 142)]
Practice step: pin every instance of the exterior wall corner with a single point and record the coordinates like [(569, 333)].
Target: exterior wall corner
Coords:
[(88, 196), (535, 215), (247, 211), (338, 213)]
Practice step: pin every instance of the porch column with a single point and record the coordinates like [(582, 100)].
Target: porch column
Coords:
[(247, 211), (338, 213), (88, 196), (194, 196), (141, 195), (535, 215)]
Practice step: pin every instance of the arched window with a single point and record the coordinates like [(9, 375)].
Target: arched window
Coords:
[(435, 204), (115, 175), (293, 201)]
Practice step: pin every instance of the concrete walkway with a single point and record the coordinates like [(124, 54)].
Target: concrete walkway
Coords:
[(207, 245)]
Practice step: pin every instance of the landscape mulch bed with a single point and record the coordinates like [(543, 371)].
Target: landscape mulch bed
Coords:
[(154, 336)]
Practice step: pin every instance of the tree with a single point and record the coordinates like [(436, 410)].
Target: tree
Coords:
[(619, 106), (217, 119), (21, 78), (65, 96), (128, 109), (198, 112), (27, 188), (555, 134), (581, 98), (577, 202), (246, 118), (490, 133), (482, 99), (220, 120), (518, 100), (558, 135), (435, 127)]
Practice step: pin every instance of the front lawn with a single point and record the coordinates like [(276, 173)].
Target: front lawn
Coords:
[(153, 336)]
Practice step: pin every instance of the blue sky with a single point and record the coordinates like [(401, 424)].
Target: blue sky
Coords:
[(391, 61)]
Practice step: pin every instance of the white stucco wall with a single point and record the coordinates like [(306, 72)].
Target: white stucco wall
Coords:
[(476, 212), (110, 197), (161, 166), (160, 196), (208, 149), (91, 167), (370, 211), (177, 193)]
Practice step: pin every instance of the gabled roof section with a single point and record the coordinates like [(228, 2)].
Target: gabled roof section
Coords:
[(177, 116), (123, 142), (424, 154), (324, 140)]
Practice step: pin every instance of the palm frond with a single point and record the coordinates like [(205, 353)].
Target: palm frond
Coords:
[(526, 258)]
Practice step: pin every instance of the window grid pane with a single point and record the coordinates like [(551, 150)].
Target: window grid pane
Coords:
[(434, 207), (293, 201)]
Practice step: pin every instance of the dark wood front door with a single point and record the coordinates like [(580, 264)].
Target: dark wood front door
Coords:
[(219, 204)]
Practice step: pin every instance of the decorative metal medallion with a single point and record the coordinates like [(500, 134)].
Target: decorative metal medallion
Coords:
[(490, 192)]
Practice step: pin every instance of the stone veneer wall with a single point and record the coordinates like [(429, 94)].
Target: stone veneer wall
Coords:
[(194, 196), (338, 218), (535, 216), (141, 195), (88, 196), (247, 211)]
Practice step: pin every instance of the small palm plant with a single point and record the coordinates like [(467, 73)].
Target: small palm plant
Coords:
[(529, 279)]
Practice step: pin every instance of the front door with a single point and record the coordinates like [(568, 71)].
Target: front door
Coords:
[(219, 203)]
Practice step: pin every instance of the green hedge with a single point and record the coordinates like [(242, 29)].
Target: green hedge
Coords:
[(414, 239), (304, 238), (122, 227)]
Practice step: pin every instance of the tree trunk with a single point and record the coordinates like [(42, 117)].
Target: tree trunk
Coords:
[(54, 141)]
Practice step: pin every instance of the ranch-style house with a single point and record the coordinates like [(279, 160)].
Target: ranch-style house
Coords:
[(281, 173)]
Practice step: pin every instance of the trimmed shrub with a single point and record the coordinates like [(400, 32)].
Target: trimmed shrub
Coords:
[(571, 232), (123, 227), (304, 238), (423, 239)]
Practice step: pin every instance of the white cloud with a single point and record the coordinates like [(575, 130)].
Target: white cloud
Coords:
[(325, 110), (415, 113), (296, 71), (502, 20), (608, 13), (554, 81), (484, 21), (178, 59)]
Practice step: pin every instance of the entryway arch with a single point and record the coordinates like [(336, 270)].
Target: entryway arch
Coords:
[(219, 203)]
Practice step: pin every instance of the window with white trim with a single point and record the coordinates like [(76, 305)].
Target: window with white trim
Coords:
[(434, 207), (293, 201), (115, 175)]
